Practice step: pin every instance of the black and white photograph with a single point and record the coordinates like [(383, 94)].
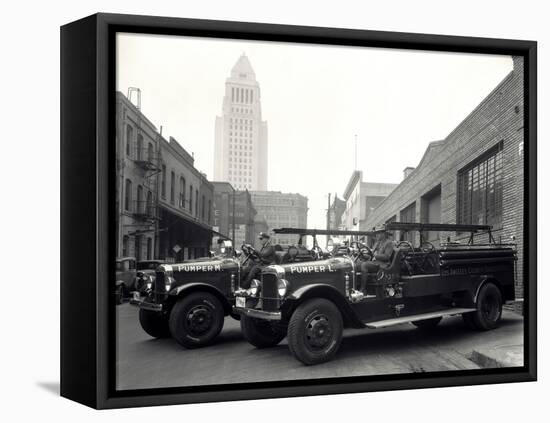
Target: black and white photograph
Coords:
[(289, 211)]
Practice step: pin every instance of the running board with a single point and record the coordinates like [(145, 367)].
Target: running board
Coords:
[(406, 319)]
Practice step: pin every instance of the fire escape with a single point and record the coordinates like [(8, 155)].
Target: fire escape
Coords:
[(146, 157)]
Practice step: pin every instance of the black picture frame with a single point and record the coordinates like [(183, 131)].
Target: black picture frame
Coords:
[(87, 212)]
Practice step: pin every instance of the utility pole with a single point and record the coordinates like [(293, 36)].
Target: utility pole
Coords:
[(328, 212), (233, 222)]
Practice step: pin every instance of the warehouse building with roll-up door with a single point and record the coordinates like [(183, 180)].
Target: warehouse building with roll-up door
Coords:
[(473, 176)]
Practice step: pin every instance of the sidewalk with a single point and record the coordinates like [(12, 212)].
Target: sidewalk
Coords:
[(502, 347)]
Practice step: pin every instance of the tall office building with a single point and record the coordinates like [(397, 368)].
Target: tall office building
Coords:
[(281, 210), (240, 151)]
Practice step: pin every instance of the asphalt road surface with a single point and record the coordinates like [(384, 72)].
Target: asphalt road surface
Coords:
[(144, 362)]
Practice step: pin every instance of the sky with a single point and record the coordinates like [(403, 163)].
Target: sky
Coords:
[(316, 100)]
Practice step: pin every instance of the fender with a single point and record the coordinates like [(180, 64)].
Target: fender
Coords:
[(187, 288), (322, 291), (483, 282)]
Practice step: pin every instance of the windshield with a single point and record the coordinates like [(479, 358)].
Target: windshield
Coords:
[(148, 265)]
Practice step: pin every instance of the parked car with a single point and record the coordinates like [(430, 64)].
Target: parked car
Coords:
[(126, 275), (189, 300), (312, 302), (145, 275)]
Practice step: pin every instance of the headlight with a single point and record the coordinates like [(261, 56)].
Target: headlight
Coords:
[(168, 283), (254, 288), (282, 287)]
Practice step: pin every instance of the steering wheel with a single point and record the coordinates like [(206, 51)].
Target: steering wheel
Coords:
[(250, 252), (365, 252), (427, 247), (405, 244), (428, 259), (317, 252)]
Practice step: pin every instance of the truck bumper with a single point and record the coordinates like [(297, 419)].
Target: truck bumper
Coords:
[(257, 314), (146, 305)]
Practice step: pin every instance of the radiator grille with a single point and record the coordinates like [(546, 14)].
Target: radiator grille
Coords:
[(268, 293)]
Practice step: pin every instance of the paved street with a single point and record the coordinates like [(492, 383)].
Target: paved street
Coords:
[(144, 362)]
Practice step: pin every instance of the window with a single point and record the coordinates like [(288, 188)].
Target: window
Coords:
[(209, 211), (127, 194), (203, 201), (150, 210), (149, 249), (190, 198), (479, 199), (137, 247), (125, 245), (140, 203), (408, 214), (172, 186), (150, 152), (139, 146), (129, 137), (182, 192), (163, 182), (196, 202)]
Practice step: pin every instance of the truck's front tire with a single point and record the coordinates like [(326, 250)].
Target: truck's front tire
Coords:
[(154, 323), (261, 333), (315, 331), (196, 319)]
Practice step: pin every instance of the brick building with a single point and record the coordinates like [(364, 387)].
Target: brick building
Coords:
[(163, 203), (137, 166), (185, 205), (473, 176)]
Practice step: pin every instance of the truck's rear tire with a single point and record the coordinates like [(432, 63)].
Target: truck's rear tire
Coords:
[(489, 308), (261, 333), (196, 319), (427, 324), (154, 323), (315, 331)]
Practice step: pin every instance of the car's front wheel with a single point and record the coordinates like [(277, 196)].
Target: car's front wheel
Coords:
[(315, 331), (261, 333), (154, 323), (196, 319)]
